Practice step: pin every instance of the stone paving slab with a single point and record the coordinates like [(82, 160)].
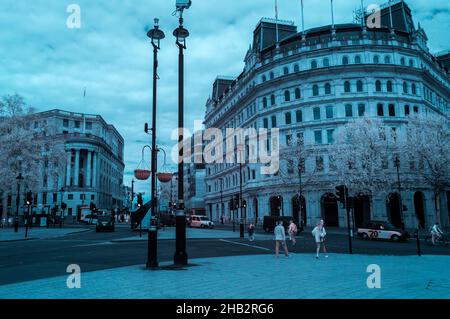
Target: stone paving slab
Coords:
[(258, 276), (8, 234)]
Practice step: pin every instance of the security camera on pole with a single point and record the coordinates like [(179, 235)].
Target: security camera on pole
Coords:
[(181, 34)]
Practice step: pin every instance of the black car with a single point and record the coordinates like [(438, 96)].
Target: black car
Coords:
[(270, 222), (105, 223)]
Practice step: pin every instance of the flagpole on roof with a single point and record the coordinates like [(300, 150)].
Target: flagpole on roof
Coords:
[(332, 15), (303, 18), (276, 22)]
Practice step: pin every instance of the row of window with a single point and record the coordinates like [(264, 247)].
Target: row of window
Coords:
[(330, 113), (77, 124), (325, 62)]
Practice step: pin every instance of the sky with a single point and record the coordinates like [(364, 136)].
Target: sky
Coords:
[(110, 55)]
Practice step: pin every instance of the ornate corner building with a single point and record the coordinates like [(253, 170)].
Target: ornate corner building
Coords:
[(310, 84)]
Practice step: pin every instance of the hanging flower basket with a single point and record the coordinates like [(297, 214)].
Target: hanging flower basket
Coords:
[(142, 174), (142, 171), (164, 177)]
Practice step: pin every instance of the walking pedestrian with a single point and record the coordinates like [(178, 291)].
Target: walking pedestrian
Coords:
[(251, 232), (319, 235), (292, 231), (280, 239)]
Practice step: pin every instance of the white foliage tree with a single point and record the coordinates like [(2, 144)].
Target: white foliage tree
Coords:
[(362, 150), (34, 152), (428, 147)]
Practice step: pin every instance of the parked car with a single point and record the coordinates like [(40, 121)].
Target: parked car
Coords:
[(270, 222), (105, 223), (200, 222), (382, 230)]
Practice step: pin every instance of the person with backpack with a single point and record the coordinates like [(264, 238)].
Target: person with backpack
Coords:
[(280, 239), (319, 235)]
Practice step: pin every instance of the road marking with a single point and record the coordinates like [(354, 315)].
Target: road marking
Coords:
[(94, 244), (242, 244)]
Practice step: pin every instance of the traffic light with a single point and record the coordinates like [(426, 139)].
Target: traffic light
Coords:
[(140, 202), (29, 198), (244, 204), (63, 206), (92, 207), (236, 201), (341, 194)]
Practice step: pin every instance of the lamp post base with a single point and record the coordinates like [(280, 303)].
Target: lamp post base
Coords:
[(180, 257), (152, 259), (16, 225), (241, 229)]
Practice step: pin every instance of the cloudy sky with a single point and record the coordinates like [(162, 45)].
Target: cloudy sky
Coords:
[(50, 64)]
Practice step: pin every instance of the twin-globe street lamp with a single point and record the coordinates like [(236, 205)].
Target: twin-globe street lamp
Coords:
[(156, 35), (180, 256)]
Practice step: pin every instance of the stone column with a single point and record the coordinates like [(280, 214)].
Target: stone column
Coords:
[(95, 162), (88, 166), (69, 167), (77, 167)]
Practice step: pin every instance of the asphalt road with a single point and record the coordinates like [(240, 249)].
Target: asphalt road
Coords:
[(35, 259)]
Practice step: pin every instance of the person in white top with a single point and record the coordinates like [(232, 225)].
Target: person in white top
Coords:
[(436, 232), (319, 235), (280, 239), (292, 231)]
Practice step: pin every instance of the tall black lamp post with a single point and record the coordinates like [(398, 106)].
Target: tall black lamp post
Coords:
[(156, 35), (19, 179), (241, 204), (397, 166), (180, 257)]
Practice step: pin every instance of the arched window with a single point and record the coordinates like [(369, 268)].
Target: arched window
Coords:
[(387, 59), (359, 86), (272, 100), (288, 118), (287, 96), (378, 86), (296, 68), (297, 93), (414, 89), (272, 75), (298, 116), (326, 62), (313, 64), (264, 78), (327, 88), (347, 87), (376, 59), (264, 102), (285, 70), (389, 86), (315, 90), (416, 109), (358, 59), (402, 61), (345, 60), (405, 87), (411, 63)]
